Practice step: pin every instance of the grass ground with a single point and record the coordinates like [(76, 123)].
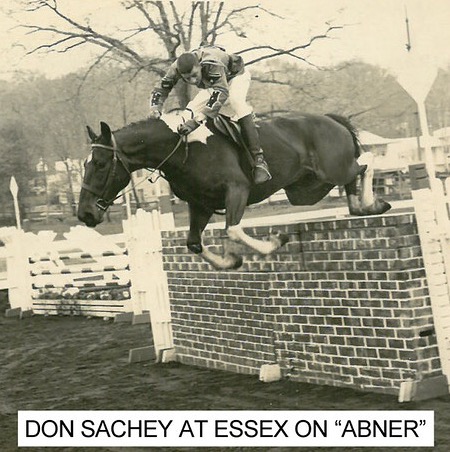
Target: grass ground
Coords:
[(74, 363)]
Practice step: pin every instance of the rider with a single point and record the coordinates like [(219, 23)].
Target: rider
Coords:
[(224, 82)]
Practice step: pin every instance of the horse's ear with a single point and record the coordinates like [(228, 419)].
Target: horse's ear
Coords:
[(91, 134), (106, 131)]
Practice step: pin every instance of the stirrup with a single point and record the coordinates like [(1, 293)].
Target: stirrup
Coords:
[(261, 172)]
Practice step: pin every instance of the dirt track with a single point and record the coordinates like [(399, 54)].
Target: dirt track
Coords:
[(72, 363)]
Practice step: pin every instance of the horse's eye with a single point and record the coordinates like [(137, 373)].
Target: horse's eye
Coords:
[(99, 163)]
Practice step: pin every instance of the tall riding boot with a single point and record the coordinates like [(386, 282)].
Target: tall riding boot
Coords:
[(250, 134)]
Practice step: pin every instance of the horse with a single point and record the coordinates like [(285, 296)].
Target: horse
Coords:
[(307, 154)]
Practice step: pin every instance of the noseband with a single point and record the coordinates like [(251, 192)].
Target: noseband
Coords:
[(101, 202)]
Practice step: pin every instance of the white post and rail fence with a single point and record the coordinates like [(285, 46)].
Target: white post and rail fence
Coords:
[(116, 276)]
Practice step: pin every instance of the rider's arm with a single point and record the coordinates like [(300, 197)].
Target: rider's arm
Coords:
[(217, 80), (163, 89)]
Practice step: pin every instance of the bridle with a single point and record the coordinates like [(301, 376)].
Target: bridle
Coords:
[(101, 202)]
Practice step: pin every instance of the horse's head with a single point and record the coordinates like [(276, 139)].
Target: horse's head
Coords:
[(106, 173)]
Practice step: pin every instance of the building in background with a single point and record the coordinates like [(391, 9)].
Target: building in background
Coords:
[(394, 155), (56, 189), (398, 153)]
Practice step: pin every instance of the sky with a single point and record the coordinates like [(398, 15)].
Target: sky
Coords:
[(374, 31)]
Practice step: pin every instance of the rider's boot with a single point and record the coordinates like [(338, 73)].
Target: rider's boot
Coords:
[(261, 169)]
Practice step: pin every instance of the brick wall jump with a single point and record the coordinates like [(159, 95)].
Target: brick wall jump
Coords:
[(344, 303)]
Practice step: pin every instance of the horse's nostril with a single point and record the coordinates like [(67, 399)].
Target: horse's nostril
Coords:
[(88, 219)]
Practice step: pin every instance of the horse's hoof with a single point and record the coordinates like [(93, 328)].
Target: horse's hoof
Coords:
[(356, 212), (283, 238), (384, 206), (378, 207), (238, 261), (196, 248)]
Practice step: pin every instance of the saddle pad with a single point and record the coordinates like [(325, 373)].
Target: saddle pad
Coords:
[(175, 119)]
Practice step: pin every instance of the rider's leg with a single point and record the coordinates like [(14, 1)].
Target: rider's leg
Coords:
[(198, 102), (261, 170), (238, 89)]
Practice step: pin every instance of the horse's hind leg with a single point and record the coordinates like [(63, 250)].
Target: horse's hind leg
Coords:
[(351, 190), (367, 195), (307, 191), (236, 200), (370, 204), (199, 218)]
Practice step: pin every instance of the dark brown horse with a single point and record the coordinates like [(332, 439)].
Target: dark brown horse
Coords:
[(308, 155)]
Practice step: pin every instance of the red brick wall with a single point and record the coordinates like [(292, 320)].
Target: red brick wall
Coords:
[(344, 303)]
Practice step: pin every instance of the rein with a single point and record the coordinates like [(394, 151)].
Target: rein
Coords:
[(182, 138), (103, 204)]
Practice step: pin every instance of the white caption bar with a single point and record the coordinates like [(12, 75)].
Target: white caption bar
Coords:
[(225, 428)]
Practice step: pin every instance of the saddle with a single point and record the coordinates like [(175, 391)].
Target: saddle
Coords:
[(221, 125), (232, 130)]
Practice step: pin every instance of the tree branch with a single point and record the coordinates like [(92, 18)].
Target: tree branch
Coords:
[(290, 52), (195, 5), (204, 18), (271, 81), (173, 26), (178, 26), (214, 29), (88, 34)]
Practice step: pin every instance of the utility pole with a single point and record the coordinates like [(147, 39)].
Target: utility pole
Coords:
[(408, 37), (416, 76), (417, 124)]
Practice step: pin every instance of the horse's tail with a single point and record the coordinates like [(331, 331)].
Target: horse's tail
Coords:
[(351, 128)]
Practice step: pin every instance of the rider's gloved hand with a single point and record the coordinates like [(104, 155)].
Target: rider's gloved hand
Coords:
[(155, 112), (189, 126)]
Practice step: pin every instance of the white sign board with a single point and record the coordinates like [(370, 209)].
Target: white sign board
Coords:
[(416, 74), (14, 189)]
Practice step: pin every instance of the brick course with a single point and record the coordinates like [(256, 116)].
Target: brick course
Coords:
[(344, 303)]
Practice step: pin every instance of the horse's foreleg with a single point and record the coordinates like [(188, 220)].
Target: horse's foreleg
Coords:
[(237, 234), (235, 204), (229, 261), (198, 220)]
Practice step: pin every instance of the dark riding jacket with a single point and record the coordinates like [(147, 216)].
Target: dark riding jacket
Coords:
[(218, 68)]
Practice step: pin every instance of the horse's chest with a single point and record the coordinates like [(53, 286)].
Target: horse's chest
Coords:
[(191, 189)]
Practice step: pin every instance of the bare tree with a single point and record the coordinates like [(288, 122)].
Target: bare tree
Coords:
[(177, 28)]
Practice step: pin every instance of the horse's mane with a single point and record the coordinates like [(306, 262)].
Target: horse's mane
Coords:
[(139, 122), (350, 127)]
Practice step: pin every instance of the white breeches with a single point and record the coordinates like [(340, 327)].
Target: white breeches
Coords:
[(236, 106)]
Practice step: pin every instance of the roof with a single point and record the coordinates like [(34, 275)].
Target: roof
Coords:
[(369, 138), (442, 133)]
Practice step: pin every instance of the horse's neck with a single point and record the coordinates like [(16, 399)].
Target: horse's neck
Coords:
[(146, 144)]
